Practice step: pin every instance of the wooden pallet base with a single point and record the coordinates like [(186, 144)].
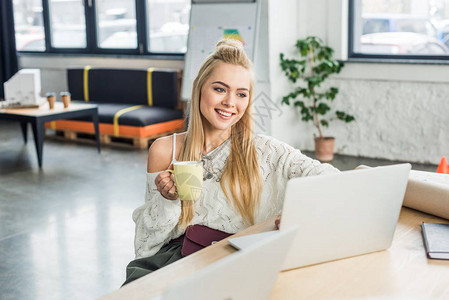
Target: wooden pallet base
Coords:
[(105, 139)]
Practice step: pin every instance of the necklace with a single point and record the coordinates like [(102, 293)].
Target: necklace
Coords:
[(212, 166)]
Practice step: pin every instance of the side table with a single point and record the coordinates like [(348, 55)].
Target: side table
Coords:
[(38, 116)]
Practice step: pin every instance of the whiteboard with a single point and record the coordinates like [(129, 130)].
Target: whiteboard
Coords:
[(209, 23)]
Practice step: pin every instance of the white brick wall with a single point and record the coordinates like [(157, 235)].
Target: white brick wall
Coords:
[(397, 120)]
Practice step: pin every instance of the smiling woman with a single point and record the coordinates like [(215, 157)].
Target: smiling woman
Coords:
[(224, 98), (244, 174)]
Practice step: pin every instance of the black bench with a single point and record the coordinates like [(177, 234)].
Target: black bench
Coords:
[(132, 103)]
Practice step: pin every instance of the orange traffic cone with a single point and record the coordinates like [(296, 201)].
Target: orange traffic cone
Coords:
[(443, 167)]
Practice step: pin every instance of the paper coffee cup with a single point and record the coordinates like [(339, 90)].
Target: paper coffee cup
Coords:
[(51, 98), (65, 97)]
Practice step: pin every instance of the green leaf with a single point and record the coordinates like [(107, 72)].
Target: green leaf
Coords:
[(328, 67), (285, 100), (326, 53), (305, 111), (324, 123), (303, 47), (314, 42), (344, 116), (331, 93), (304, 92), (349, 118), (307, 118), (294, 74), (293, 95), (320, 96), (300, 104), (340, 114), (314, 79), (322, 108)]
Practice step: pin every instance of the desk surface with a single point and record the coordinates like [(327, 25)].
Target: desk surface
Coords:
[(401, 272), (44, 109)]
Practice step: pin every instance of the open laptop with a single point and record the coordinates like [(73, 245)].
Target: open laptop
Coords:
[(339, 215), (247, 274)]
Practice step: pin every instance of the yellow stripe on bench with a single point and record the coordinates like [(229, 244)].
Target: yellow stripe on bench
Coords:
[(121, 112), (150, 86), (86, 83)]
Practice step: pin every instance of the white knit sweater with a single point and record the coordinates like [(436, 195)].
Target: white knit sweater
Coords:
[(156, 220)]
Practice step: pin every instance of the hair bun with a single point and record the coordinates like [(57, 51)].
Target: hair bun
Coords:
[(232, 43)]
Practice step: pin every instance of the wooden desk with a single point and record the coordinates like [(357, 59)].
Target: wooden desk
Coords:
[(38, 116), (401, 272)]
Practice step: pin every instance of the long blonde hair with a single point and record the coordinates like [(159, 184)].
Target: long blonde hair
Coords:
[(241, 180)]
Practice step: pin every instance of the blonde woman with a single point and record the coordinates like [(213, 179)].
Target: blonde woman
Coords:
[(244, 175)]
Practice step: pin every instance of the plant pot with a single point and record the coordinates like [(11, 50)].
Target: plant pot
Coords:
[(324, 148)]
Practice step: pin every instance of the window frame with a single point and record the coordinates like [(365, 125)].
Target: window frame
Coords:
[(383, 57), (92, 48)]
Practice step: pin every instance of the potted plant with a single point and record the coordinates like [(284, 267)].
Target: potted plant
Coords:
[(315, 65)]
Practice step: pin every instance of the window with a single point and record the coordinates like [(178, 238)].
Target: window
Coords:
[(102, 26), (399, 29), (67, 24), (168, 26), (29, 25), (116, 24)]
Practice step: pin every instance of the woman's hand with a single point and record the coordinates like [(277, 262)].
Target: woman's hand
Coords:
[(277, 222), (166, 186)]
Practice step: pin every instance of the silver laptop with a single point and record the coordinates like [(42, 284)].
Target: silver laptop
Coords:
[(340, 215), (247, 274)]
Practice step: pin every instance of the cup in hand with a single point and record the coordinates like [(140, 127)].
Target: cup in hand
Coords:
[(188, 179)]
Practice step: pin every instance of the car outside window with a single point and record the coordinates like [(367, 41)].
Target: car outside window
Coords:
[(399, 29)]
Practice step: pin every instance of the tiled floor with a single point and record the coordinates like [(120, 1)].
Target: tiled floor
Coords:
[(66, 230)]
